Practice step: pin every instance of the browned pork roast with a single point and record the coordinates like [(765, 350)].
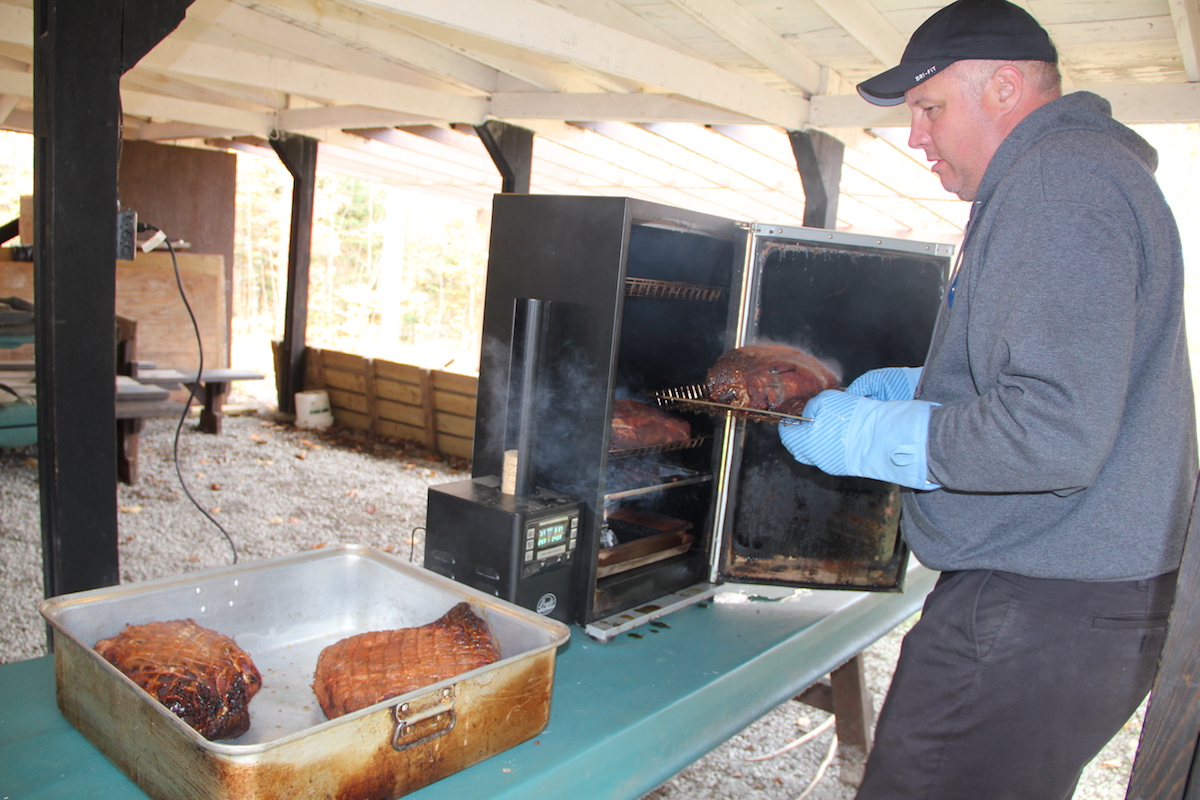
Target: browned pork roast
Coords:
[(636, 424), (768, 377), (201, 676), (362, 670)]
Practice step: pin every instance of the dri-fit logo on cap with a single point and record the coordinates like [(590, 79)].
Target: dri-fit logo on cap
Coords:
[(923, 75)]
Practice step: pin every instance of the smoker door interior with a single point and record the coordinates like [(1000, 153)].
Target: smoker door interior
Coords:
[(857, 307)]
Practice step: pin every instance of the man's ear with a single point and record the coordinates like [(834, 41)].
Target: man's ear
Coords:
[(1007, 87)]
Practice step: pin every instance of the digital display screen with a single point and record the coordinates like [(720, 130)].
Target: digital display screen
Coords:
[(551, 534)]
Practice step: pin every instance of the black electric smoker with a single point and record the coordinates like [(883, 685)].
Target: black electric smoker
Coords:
[(641, 299), (501, 533)]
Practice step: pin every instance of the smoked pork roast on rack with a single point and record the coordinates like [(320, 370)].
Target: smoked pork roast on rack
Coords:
[(768, 377)]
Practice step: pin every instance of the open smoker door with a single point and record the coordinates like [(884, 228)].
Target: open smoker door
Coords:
[(858, 303)]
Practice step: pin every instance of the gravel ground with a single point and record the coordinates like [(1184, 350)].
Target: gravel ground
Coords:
[(277, 489)]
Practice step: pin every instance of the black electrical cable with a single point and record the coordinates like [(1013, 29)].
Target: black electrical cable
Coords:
[(187, 407)]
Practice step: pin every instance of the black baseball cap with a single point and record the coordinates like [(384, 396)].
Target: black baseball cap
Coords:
[(967, 29)]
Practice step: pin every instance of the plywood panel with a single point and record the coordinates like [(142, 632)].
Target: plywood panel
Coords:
[(147, 292)]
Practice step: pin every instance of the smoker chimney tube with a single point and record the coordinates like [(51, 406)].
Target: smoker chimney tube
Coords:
[(530, 315)]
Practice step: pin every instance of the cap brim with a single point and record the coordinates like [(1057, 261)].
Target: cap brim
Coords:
[(888, 88)]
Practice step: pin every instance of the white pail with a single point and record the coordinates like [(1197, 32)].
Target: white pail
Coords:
[(312, 409)]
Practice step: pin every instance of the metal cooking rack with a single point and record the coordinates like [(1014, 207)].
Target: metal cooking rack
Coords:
[(629, 452), (672, 290), (694, 397)]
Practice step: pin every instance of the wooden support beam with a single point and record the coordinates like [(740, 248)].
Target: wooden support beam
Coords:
[(511, 148), (80, 53), (299, 155), (819, 159)]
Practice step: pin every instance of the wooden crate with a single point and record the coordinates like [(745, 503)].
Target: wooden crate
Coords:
[(431, 407)]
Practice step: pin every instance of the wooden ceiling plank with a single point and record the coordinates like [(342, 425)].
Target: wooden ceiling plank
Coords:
[(735, 24), (377, 36), (313, 46), (429, 147), (509, 63), (556, 33), (317, 82), (16, 25), (342, 117), (666, 148), (868, 27), (157, 106), (613, 14), (1185, 14), (19, 84), (756, 166), (153, 82), (635, 107)]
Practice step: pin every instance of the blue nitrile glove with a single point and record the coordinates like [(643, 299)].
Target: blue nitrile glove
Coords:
[(888, 383), (851, 435)]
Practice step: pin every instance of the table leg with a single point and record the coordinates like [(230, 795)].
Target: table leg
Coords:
[(213, 393), (127, 450), (846, 697)]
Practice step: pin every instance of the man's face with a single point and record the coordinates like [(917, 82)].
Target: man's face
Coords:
[(951, 124)]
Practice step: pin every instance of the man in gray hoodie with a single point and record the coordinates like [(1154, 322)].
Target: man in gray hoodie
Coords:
[(1049, 440)]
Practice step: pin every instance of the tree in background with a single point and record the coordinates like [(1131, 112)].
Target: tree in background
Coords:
[(394, 274)]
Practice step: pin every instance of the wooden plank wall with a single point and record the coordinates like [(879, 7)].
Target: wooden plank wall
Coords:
[(430, 407)]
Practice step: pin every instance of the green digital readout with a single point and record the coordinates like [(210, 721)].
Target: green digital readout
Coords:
[(552, 534)]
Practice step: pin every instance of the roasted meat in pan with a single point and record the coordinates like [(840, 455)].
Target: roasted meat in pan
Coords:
[(768, 377), (362, 670), (201, 676), (636, 424)]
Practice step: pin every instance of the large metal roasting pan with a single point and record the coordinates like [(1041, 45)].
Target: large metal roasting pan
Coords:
[(283, 611)]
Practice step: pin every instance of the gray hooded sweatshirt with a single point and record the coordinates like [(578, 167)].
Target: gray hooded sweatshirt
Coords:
[(1066, 436)]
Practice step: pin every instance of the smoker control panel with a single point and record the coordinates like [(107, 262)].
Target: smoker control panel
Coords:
[(550, 541)]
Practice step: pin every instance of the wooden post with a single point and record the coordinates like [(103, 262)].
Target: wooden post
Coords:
[(80, 51), (299, 155), (819, 159), (371, 390), (511, 149), (428, 406)]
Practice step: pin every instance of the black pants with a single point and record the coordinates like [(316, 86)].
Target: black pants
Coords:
[(1008, 686)]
